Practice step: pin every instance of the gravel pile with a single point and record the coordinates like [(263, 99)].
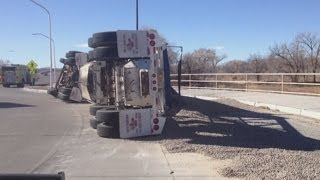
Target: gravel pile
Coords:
[(263, 144)]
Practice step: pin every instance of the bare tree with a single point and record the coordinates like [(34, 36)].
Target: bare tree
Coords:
[(292, 56), (235, 66), (188, 63), (207, 58), (173, 56), (274, 65), (310, 44), (257, 64)]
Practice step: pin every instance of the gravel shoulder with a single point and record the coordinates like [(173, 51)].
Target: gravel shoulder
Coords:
[(262, 144)]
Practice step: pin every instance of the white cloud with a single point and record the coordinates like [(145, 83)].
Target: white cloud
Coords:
[(82, 45), (219, 48)]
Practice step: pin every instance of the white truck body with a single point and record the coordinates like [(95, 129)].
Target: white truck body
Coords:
[(149, 121), (139, 83)]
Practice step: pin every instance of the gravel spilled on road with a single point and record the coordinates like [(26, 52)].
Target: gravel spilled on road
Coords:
[(263, 144)]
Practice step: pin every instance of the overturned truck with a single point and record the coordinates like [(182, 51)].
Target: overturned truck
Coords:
[(128, 79), (67, 86)]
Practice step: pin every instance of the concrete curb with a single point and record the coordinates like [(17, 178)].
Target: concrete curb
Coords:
[(34, 90), (286, 109)]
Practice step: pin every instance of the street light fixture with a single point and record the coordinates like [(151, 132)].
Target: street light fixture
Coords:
[(50, 38), (54, 53)]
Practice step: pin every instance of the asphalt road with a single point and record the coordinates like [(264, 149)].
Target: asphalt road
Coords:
[(32, 127), (42, 134)]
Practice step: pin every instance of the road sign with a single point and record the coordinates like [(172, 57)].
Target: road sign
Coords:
[(32, 65)]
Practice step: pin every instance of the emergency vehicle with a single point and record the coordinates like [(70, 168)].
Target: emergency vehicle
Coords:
[(15, 74)]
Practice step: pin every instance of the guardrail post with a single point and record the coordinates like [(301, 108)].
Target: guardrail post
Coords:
[(246, 82), (189, 80), (282, 83), (216, 81)]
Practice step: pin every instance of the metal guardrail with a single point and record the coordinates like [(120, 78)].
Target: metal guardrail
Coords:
[(262, 82)]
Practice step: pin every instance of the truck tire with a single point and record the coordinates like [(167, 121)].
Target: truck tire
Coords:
[(6, 85), (71, 54), (90, 56), (94, 122), (62, 60), (65, 91), (106, 131), (20, 85), (70, 61), (103, 39), (94, 108), (111, 117), (105, 53), (63, 97), (52, 92), (90, 44)]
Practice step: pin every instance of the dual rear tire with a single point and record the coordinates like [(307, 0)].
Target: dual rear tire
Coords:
[(70, 58), (104, 129), (63, 93), (105, 46), (63, 97), (53, 92), (106, 121)]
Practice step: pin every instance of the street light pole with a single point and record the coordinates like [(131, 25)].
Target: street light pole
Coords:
[(50, 38), (54, 53), (137, 14)]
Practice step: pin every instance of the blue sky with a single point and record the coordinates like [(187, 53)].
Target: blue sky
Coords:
[(235, 27)]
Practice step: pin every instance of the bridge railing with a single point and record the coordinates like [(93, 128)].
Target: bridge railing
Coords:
[(286, 83)]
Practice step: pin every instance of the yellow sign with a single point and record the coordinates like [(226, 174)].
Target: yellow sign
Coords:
[(32, 65)]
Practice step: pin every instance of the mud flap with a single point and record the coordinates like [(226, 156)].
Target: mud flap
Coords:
[(83, 74), (138, 122), (76, 95)]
